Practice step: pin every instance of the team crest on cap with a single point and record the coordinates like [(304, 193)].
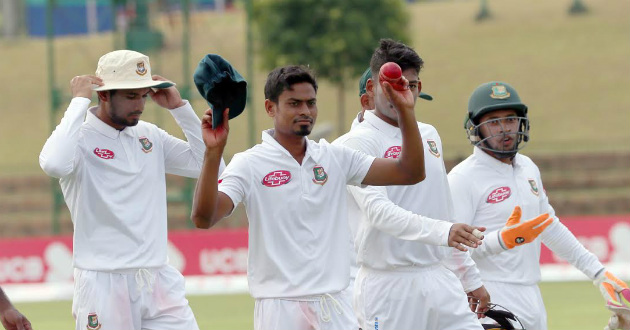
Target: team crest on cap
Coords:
[(499, 195), (393, 152), (532, 184), (93, 323), (140, 69), (104, 153), (320, 176), (499, 92), (147, 146), (433, 148), (276, 178)]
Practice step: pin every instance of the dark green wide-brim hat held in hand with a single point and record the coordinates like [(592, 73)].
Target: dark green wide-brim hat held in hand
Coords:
[(221, 86)]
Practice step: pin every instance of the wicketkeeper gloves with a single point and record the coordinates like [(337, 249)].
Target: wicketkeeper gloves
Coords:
[(517, 233), (617, 296)]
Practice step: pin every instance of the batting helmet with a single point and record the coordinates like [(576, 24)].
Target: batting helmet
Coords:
[(493, 96)]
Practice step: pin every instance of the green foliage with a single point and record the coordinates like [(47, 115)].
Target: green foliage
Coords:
[(335, 37)]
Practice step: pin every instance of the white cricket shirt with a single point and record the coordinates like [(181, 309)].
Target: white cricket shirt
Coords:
[(114, 184), (389, 237), (485, 192), (298, 227)]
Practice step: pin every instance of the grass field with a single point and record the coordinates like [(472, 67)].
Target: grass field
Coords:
[(571, 70), (570, 306)]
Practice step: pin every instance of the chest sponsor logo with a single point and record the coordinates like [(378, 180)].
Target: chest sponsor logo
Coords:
[(534, 186), (276, 178), (93, 323), (147, 146), (499, 195), (319, 175), (433, 148), (393, 152), (104, 153)]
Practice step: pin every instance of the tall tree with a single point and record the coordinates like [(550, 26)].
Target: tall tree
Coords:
[(335, 37)]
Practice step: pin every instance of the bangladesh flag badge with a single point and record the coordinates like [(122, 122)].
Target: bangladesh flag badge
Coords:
[(147, 146), (93, 323), (319, 175), (532, 184), (433, 148)]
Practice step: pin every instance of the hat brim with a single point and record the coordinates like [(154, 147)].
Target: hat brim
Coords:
[(134, 85), (425, 96)]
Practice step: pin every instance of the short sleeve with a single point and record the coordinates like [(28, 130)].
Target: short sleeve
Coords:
[(236, 179), (355, 163)]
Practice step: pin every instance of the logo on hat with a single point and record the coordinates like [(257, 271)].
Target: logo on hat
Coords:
[(93, 323), (499, 195), (147, 146), (320, 176), (532, 184), (276, 178), (433, 148), (140, 69), (499, 92), (104, 153), (393, 152)]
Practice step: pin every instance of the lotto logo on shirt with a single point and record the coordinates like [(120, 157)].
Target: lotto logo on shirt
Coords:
[(499, 195), (393, 152), (104, 153), (276, 178)]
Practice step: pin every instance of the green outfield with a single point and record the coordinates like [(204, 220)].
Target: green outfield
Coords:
[(570, 305)]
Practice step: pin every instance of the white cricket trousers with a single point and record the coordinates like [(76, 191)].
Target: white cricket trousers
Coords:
[(412, 298), (525, 301), (322, 312), (135, 299)]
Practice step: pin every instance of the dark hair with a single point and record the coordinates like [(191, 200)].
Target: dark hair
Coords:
[(397, 52), (281, 79), (111, 93)]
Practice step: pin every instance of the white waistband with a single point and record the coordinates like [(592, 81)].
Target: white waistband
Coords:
[(401, 269)]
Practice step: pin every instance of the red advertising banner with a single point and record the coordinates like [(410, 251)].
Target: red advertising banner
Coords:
[(195, 252), (605, 236), (224, 252)]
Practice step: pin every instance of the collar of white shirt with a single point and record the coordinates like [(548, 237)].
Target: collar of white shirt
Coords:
[(494, 163), (370, 118), (103, 128), (312, 149)]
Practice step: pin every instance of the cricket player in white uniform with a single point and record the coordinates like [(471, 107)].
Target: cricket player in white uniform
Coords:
[(402, 282), (489, 184), (112, 167), (294, 193)]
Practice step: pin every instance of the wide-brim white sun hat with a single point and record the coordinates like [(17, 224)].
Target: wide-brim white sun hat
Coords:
[(126, 69)]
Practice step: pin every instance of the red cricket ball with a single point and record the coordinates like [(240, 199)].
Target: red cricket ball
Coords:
[(392, 73)]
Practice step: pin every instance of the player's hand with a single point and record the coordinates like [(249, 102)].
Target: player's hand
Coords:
[(14, 320), (617, 296), (461, 235), (618, 321), (402, 101), (479, 301), (168, 98), (215, 138), (517, 233), (81, 86)]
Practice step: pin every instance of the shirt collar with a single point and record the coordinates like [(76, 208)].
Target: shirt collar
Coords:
[(272, 142), (378, 123), (103, 128), (492, 162)]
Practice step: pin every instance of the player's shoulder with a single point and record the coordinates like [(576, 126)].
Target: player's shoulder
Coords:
[(526, 162), (465, 168)]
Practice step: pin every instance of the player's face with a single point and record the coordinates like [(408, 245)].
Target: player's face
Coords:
[(500, 129), (296, 110), (384, 109), (126, 106)]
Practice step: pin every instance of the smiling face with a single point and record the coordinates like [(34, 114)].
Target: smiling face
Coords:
[(295, 112), (123, 107)]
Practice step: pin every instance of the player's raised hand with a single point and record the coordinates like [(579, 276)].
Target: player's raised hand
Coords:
[(402, 100), (12, 319), (517, 233), (215, 137), (81, 86), (462, 235), (168, 98)]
